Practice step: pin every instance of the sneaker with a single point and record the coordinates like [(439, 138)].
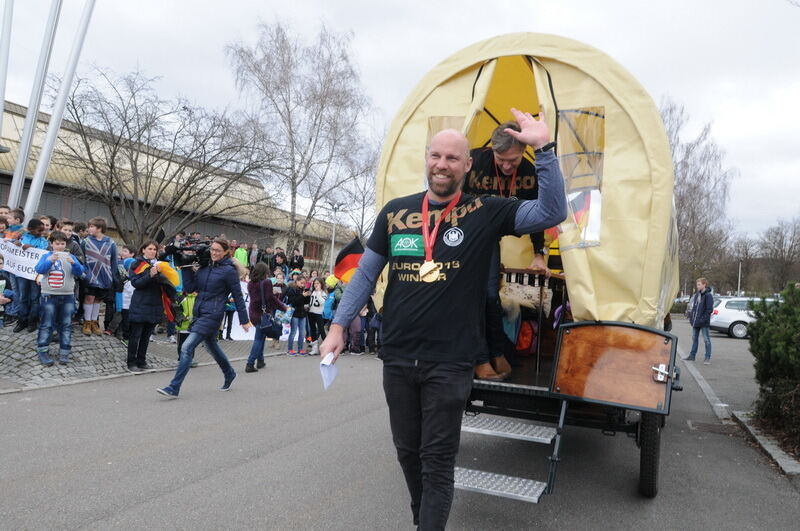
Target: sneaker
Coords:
[(146, 367), (49, 363), (260, 364), (302, 352), (292, 353), (134, 368), (687, 358), (152, 337), (707, 362), (173, 339), (228, 381), (63, 361), (166, 391), (250, 368)]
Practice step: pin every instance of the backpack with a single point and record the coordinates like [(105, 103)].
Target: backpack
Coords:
[(327, 309)]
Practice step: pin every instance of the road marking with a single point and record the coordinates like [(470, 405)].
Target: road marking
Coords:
[(720, 409)]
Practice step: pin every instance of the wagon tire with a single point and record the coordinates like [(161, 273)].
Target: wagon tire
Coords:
[(649, 454)]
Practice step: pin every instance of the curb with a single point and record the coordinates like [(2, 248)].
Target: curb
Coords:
[(788, 465), (122, 375), (720, 409)]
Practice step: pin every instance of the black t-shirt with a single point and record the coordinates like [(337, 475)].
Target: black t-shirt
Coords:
[(442, 320), (482, 179)]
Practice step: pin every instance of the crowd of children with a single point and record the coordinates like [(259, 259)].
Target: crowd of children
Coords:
[(81, 268)]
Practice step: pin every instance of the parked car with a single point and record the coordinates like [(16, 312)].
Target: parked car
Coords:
[(732, 315)]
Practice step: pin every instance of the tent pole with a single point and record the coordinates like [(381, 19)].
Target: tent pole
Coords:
[(31, 117), (54, 126)]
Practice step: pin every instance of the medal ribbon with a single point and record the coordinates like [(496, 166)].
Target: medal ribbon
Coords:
[(429, 236), (512, 185)]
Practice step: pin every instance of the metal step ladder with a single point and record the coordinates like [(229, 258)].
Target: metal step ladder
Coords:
[(516, 488)]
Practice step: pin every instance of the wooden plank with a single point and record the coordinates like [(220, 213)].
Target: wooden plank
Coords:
[(613, 364)]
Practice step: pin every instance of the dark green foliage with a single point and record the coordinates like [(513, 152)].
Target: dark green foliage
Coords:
[(775, 343), (775, 339)]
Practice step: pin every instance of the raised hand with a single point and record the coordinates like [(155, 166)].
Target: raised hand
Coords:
[(535, 132)]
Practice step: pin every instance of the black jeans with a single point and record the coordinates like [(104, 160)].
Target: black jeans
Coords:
[(496, 339), (426, 402), (316, 325), (138, 340)]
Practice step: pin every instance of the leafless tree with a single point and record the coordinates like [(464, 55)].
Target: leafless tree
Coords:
[(309, 97), (780, 247), (701, 193), (155, 162)]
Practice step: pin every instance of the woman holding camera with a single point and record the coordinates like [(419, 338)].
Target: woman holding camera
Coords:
[(147, 308), (212, 283)]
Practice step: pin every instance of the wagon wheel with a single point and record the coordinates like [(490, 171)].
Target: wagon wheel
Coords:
[(649, 454)]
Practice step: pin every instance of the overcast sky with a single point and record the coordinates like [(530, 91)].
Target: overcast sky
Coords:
[(733, 63)]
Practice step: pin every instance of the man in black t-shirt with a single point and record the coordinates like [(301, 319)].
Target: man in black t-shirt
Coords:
[(438, 246), (502, 170)]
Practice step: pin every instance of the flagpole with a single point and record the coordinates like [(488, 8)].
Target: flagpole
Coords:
[(39, 176), (32, 116), (335, 207), (5, 46)]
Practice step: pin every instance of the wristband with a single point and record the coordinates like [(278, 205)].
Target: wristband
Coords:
[(549, 145)]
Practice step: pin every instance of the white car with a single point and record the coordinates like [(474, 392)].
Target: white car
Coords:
[(731, 316)]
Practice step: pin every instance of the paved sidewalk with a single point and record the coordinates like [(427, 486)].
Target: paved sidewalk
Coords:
[(94, 357)]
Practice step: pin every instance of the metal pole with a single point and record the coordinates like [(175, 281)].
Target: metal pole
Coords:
[(39, 176), (5, 46), (739, 282), (333, 236), (17, 183)]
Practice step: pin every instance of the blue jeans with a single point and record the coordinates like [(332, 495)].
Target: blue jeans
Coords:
[(706, 340), (298, 328), (28, 306), (257, 350), (56, 313), (187, 354), (13, 308)]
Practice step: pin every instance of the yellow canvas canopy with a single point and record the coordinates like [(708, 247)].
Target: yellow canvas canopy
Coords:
[(619, 243)]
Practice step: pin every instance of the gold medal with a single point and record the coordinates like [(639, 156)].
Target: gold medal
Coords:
[(429, 271)]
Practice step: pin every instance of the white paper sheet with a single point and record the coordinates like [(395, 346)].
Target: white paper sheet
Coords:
[(328, 370)]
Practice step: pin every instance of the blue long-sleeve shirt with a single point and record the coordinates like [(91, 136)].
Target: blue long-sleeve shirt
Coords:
[(58, 278)]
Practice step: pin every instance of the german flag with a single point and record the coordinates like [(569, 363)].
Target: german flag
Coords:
[(347, 260)]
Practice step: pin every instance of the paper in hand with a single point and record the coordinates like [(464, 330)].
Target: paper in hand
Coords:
[(328, 370)]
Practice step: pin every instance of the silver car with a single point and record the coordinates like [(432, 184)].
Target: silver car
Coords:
[(731, 316)]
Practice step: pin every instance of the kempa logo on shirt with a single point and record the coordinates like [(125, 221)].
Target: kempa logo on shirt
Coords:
[(407, 245), (453, 236)]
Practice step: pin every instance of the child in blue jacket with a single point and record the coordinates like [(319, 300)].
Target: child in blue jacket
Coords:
[(59, 270)]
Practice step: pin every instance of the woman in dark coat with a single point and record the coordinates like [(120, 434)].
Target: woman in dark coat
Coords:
[(260, 283), (212, 283), (147, 308)]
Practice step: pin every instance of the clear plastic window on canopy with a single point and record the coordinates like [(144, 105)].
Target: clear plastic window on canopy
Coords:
[(581, 142)]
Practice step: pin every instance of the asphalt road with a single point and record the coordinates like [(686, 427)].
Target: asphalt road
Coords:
[(731, 373), (276, 452)]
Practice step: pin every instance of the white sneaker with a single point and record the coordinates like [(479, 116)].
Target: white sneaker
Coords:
[(152, 337), (173, 339), (315, 348)]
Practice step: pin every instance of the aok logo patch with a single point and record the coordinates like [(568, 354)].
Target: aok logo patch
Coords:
[(407, 245)]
